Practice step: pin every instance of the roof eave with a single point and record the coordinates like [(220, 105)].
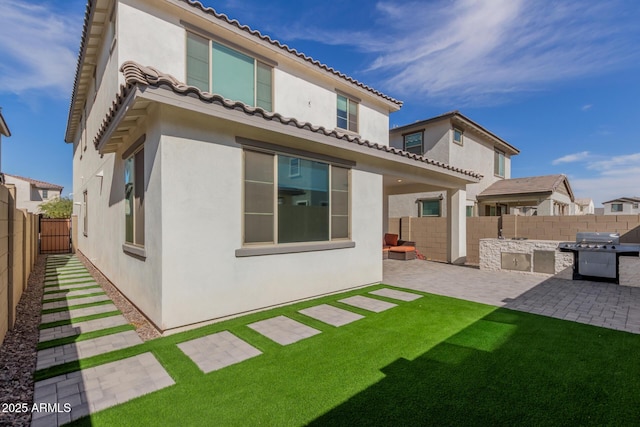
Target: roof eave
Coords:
[(4, 128)]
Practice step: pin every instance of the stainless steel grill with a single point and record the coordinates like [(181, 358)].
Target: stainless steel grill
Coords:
[(597, 255)]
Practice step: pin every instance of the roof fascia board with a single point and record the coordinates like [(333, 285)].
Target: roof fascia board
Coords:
[(120, 114)]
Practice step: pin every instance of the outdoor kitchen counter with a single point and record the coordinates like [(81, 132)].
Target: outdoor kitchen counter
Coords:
[(529, 256)]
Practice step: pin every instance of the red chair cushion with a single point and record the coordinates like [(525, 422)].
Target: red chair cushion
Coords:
[(391, 239)]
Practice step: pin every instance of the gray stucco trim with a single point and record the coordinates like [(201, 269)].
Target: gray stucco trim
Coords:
[(136, 251), (293, 248)]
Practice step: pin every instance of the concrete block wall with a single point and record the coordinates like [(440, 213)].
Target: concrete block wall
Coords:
[(18, 253), (430, 234)]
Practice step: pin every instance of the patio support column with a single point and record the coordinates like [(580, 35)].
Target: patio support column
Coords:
[(457, 226), (385, 210)]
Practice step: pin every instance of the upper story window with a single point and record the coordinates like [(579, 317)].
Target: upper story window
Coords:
[(498, 163), (616, 207), (45, 194), (413, 143), (635, 206), (216, 68), (457, 136), (347, 113)]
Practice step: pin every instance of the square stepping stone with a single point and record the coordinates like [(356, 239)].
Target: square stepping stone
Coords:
[(370, 304), (82, 349), (81, 328), (75, 301), (217, 351), (332, 315), (100, 387), (79, 312), (399, 295), (283, 330)]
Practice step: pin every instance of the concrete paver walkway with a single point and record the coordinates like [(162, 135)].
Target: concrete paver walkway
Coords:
[(331, 315), (283, 330), (370, 304), (595, 303), (81, 327), (217, 351), (97, 388)]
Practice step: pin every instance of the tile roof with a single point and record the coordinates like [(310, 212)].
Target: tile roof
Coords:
[(90, 14), (138, 75), (624, 200), (530, 184), (37, 183), (4, 129)]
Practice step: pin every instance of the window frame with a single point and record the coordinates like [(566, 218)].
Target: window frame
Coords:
[(499, 170), (421, 202), (618, 207), (453, 135), (257, 59), (274, 246), (85, 218), (349, 101), (45, 194), (404, 141), (136, 154)]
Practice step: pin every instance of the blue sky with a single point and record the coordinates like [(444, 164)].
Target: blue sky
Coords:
[(560, 80)]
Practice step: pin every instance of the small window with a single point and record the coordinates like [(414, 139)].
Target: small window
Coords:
[(430, 207), (616, 207), (457, 136), (413, 143), (134, 198), (635, 206), (85, 216), (347, 114), (498, 164), (45, 194), (469, 211)]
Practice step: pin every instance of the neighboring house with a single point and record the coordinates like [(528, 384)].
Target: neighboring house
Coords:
[(622, 206), (4, 130), (30, 193), (451, 138), (533, 195), (584, 207), (223, 172)]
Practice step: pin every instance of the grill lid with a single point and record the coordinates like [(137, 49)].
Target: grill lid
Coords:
[(592, 237)]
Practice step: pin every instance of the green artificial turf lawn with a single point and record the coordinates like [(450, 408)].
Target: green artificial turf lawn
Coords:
[(433, 361)]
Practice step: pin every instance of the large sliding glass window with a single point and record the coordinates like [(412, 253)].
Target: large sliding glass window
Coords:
[(217, 68), (309, 205)]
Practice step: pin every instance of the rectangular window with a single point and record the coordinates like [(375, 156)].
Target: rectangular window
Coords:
[(635, 206), (413, 143), (85, 216), (469, 211), (45, 194), (347, 114), (457, 136), (498, 163), (430, 207), (616, 207), (283, 208), (134, 198), (217, 68)]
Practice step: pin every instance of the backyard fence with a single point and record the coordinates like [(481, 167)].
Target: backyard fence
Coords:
[(431, 234), (18, 253)]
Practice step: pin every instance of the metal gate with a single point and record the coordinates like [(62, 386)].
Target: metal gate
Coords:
[(55, 236)]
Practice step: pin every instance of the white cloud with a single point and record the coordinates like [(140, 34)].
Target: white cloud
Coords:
[(571, 158), (586, 107), (617, 163), (38, 48), (470, 49)]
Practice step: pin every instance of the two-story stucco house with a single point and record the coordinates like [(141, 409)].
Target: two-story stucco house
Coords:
[(622, 206), (220, 171), (451, 138), (31, 193)]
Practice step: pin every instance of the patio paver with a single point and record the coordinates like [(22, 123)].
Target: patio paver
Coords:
[(217, 351), (331, 315), (71, 293), (80, 312), (81, 328), (395, 294), (283, 330), (82, 349), (97, 388), (74, 301), (370, 304)]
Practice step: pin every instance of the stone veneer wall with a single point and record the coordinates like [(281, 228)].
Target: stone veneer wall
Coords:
[(491, 251)]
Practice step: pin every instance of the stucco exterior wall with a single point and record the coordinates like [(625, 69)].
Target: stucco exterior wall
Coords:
[(29, 197), (627, 209)]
